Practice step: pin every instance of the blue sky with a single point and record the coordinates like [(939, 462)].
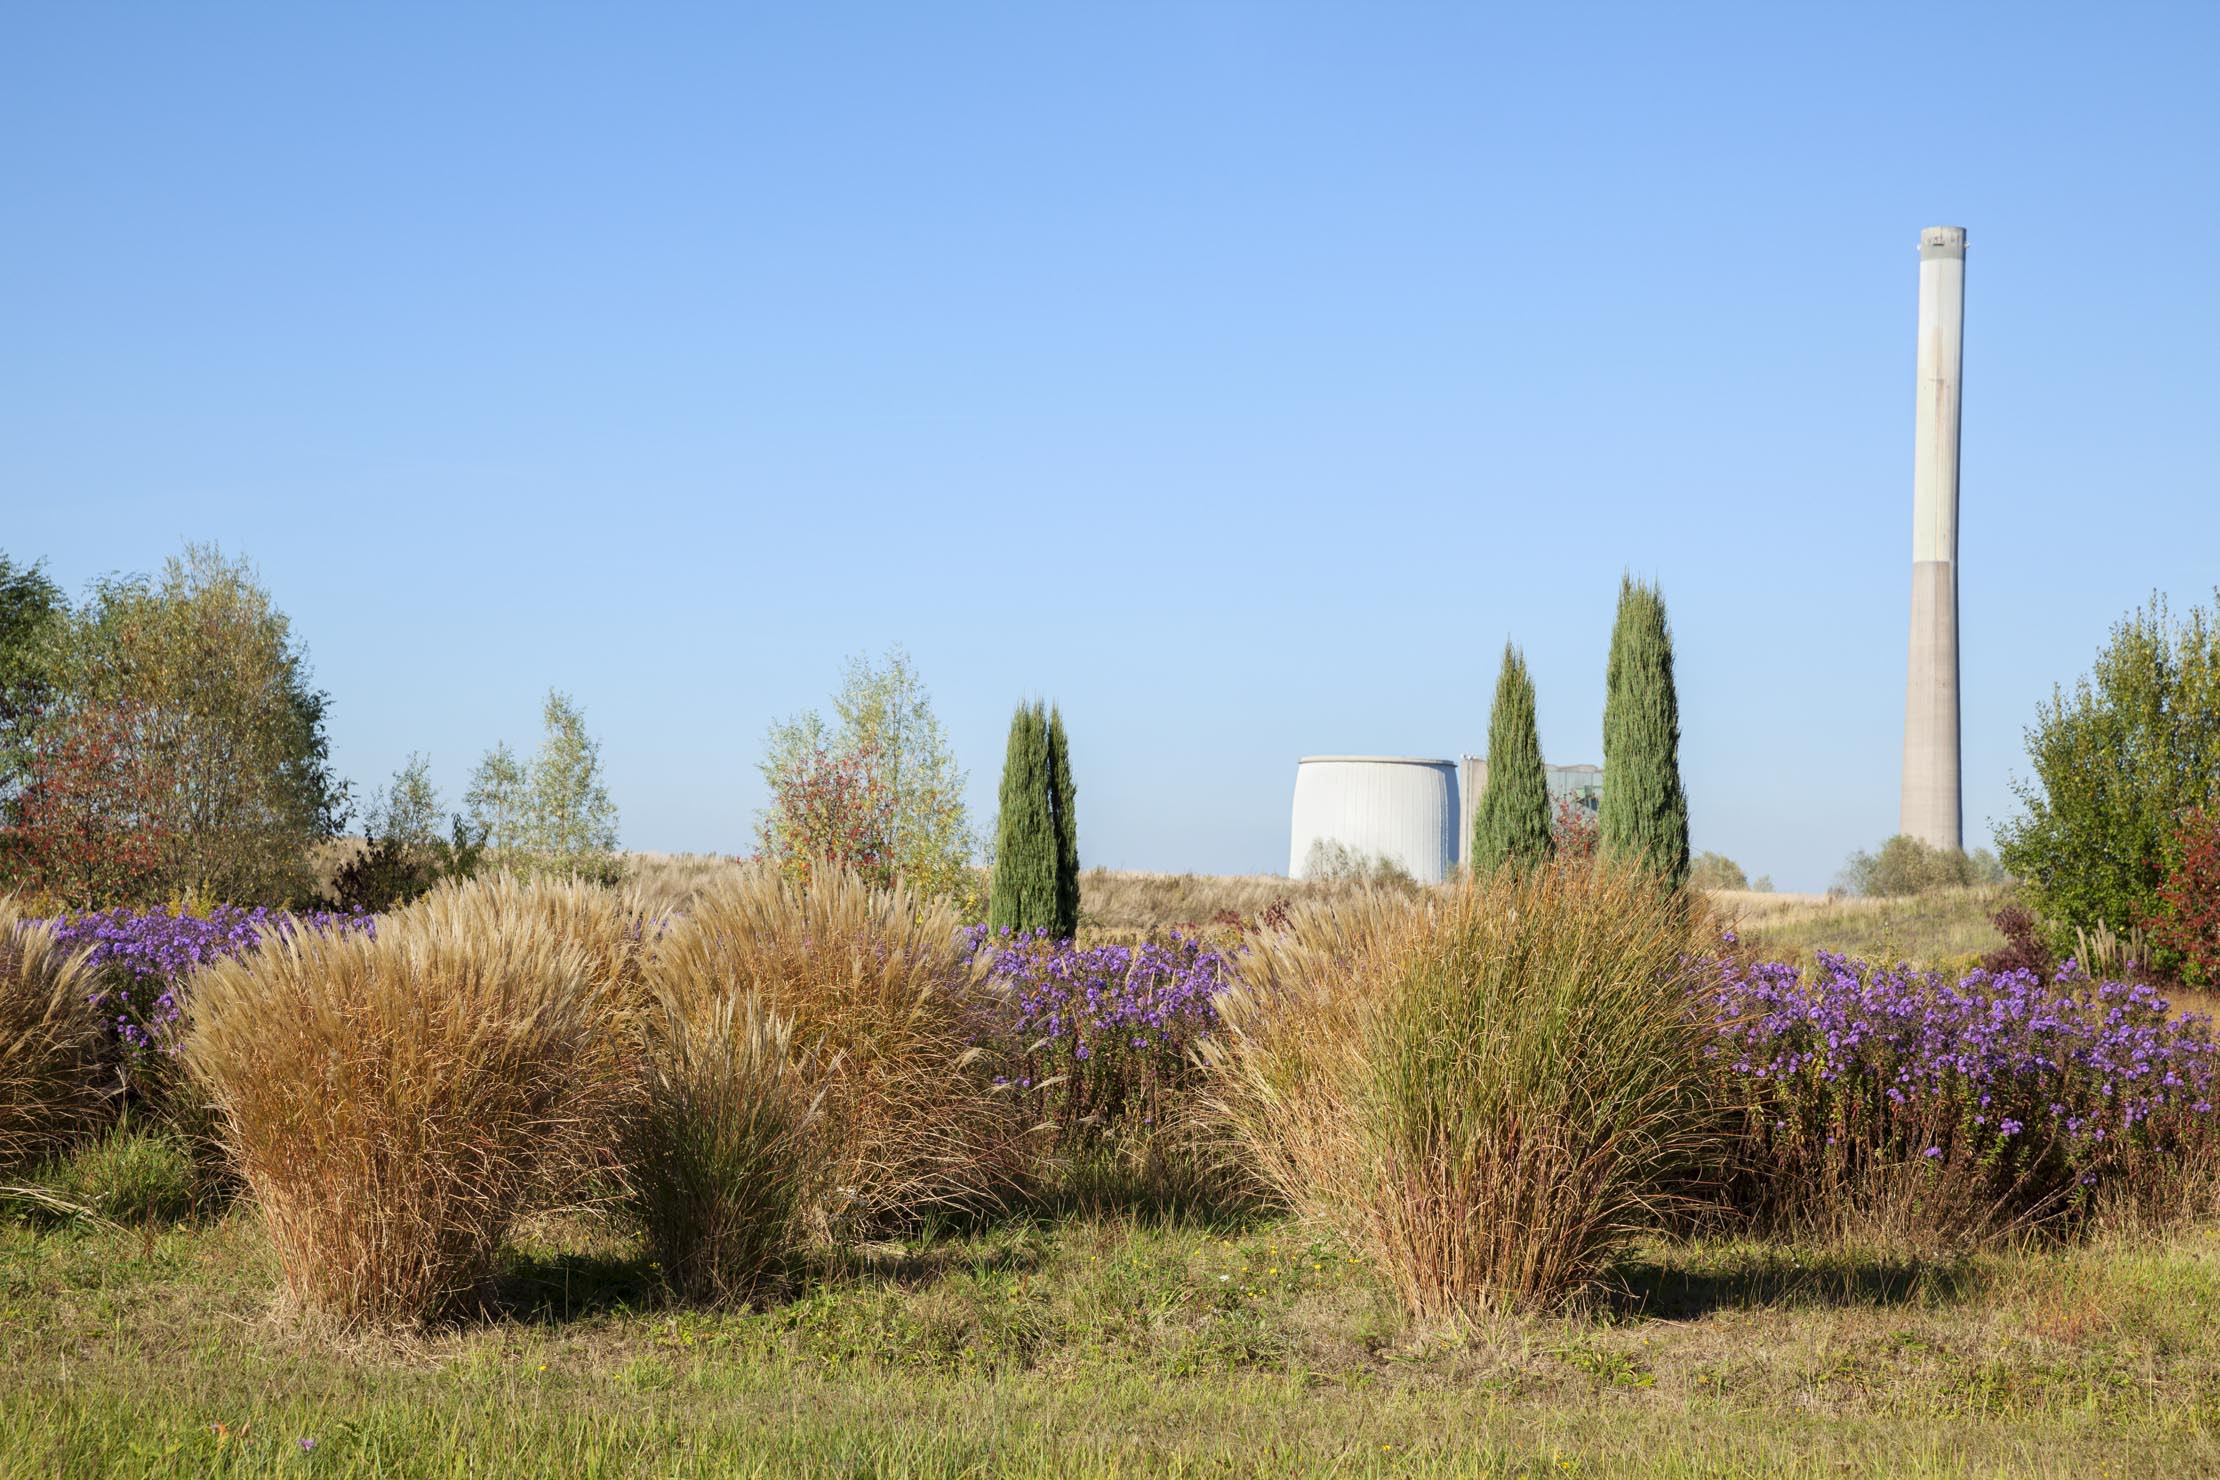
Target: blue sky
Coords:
[(1240, 376)]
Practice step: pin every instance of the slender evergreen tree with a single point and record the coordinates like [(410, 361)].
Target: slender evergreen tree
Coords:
[(1023, 895), (1644, 820), (1510, 827), (1061, 792)]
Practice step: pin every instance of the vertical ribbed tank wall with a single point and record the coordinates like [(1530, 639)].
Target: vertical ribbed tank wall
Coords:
[(1400, 808)]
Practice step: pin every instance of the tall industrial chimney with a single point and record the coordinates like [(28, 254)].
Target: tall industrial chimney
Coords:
[(1933, 807)]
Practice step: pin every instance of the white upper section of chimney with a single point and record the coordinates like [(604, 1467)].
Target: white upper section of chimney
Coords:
[(1942, 320)]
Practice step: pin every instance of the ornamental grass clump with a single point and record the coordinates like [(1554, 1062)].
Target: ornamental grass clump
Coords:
[(615, 934), (395, 1103), (56, 1077), (724, 1155), (1898, 1103), (879, 987), (1485, 1092)]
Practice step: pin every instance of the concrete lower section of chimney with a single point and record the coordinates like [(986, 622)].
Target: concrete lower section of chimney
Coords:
[(1931, 808)]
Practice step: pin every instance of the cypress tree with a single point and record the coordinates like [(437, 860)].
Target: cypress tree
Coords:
[(1510, 827), (1644, 820), (1023, 894), (1061, 792)]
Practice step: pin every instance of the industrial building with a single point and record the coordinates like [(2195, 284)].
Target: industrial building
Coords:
[(1412, 811)]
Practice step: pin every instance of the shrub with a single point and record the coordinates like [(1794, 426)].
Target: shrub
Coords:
[(723, 1157), (394, 1101), (1716, 871), (2025, 947), (1331, 861), (55, 1069), (1573, 830), (1904, 866), (2117, 763), (2184, 921), (388, 873), (133, 1175), (907, 815), (1486, 1093), (881, 989), (403, 854), (1896, 1101)]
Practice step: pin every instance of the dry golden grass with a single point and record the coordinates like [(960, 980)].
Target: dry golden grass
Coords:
[(1486, 1091), (611, 928), (1128, 906), (1945, 928), (613, 932), (877, 986), (395, 1103), (1113, 904), (55, 1082), (667, 884)]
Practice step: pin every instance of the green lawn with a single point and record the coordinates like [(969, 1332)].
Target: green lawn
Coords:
[(1098, 1347)]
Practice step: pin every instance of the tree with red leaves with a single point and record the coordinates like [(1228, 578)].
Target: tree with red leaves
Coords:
[(2185, 924), (831, 807), (87, 824)]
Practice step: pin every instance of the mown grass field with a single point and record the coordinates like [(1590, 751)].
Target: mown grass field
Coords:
[(1113, 1347)]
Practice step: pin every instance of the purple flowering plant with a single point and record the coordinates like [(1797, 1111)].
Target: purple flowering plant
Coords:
[(143, 958), (1972, 1107), (1100, 1033)]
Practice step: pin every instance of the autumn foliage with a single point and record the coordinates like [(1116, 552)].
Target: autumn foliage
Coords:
[(2185, 923), (87, 825), (832, 808)]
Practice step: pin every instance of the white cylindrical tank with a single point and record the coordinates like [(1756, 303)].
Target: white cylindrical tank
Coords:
[(1399, 808)]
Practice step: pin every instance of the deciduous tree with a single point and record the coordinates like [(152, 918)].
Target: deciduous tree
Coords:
[(884, 728), (222, 718), (2118, 761)]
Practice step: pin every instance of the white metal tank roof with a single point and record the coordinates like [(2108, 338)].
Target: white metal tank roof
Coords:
[(1400, 808)]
